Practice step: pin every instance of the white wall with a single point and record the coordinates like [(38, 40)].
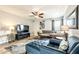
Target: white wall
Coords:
[(7, 19), (11, 20)]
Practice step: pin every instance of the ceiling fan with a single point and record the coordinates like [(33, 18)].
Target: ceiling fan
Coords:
[(39, 14)]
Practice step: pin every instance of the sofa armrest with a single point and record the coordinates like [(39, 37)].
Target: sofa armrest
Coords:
[(75, 49)]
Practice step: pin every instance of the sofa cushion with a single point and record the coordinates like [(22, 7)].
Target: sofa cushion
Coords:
[(33, 45), (43, 42), (55, 41), (72, 41), (32, 50), (50, 50)]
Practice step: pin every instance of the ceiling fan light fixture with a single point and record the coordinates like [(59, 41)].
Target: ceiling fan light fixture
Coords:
[(35, 9)]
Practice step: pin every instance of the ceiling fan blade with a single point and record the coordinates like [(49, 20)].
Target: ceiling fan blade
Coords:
[(34, 13), (41, 14)]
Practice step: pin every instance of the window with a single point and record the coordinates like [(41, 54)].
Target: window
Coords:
[(57, 25)]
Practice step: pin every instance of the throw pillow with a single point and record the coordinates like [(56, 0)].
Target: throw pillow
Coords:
[(63, 45)]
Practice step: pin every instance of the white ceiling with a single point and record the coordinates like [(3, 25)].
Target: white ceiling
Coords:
[(53, 10), (24, 10)]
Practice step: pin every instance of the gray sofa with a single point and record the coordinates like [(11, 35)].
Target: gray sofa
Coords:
[(52, 47)]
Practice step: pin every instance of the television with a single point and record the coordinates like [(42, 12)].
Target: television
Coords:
[(22, 28)]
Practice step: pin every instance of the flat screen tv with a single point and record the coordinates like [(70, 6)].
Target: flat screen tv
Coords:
[(22, 28)]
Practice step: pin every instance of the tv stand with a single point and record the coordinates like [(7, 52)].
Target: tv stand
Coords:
[(22, 31), (22, 35)]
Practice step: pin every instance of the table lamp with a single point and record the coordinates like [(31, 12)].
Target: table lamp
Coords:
[(12, 29)]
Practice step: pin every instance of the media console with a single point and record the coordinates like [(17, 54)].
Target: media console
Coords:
[(22, 31)]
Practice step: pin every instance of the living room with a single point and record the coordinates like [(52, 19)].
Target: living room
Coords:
[(28, 29)]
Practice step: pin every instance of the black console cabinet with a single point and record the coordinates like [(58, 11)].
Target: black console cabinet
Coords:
[(22, 31)]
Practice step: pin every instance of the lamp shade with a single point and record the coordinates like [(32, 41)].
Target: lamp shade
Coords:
[(64, 28)]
